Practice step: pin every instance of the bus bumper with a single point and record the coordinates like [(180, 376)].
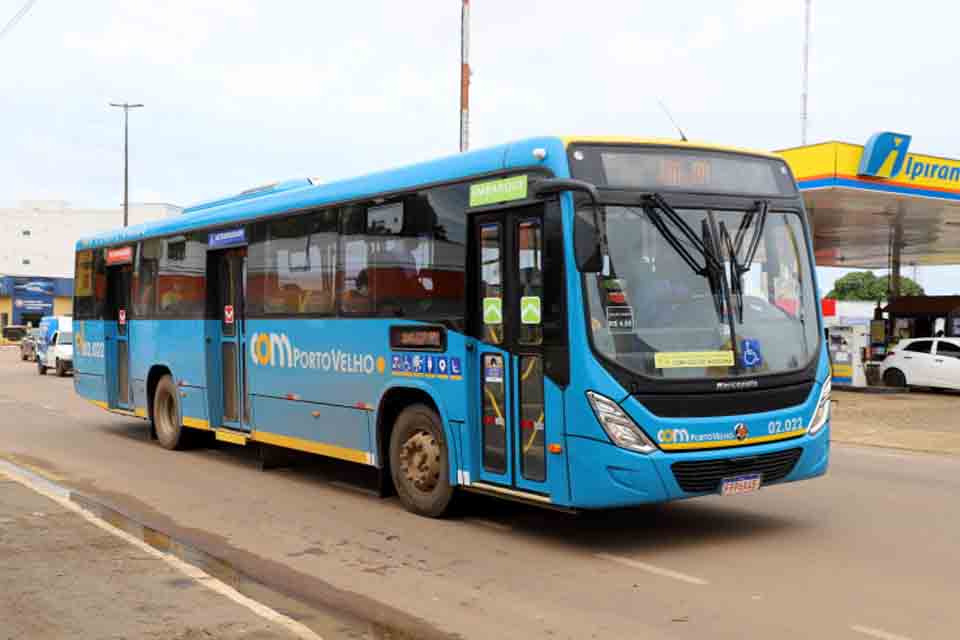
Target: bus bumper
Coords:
[(603, 475)]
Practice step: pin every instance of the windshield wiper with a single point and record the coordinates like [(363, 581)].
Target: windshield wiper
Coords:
[(714, 275), (761, 212), (711, 264), (734, 247)]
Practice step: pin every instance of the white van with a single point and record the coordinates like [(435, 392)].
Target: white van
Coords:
[(55, 350)]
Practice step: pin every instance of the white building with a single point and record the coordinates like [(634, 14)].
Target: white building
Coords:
[(37, 238)]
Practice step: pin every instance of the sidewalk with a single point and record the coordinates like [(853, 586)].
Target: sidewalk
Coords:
[(64, 577), (919, 420)]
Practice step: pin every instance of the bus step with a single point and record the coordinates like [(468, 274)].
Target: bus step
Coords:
[(231, 436)]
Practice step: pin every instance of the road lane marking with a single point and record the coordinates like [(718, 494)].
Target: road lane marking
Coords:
[(649, 568), (61, 496), (880, 634)]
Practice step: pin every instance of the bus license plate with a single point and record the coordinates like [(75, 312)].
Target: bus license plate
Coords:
[(740, 484)]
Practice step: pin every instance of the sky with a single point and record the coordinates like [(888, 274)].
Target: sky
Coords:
[(240, 93)]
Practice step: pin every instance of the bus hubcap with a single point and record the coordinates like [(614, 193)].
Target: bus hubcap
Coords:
[(420, 461)]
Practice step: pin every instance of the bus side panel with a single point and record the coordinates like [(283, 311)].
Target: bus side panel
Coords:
[(343, 428), (558, 484), (89, 363), (345, 366), (142, 347), (179, 346)]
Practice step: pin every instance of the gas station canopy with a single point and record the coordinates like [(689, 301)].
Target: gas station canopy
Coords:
[(878, 206)]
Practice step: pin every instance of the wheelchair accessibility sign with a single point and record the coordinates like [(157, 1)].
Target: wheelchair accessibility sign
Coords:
[(750, 356)]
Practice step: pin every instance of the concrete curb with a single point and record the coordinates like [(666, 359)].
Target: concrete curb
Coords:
[(321, 599)]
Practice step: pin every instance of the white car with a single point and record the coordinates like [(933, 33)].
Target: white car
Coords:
[(923, 362), (58, 355)]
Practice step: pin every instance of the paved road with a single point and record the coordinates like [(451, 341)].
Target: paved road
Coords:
[(871, 550)]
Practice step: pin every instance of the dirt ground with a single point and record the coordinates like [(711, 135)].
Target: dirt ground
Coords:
[(63, 577), (918, 420)]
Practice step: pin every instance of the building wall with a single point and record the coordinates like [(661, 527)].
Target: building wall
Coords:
[(63, 306), (38, 237)]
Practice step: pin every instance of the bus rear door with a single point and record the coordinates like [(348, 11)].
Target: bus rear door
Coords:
[(117, 331), (226, 340), (514, 425)]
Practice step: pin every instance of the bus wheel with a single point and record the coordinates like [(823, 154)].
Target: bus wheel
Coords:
[(42, 370), (61, 370), (166, 415), (418, 461)]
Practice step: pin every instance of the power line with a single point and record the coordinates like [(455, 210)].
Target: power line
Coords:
[(16, 18)]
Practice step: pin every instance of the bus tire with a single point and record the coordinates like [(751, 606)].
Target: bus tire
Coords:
[(42, 370), (419, 462), (61, 370), (165, 415)]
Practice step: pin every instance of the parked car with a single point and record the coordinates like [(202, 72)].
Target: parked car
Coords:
[(12, 334), (55, 347), (28, 346), (923, 362)]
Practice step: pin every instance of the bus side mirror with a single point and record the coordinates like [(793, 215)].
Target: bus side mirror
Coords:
[(587, 246), (588, 239)]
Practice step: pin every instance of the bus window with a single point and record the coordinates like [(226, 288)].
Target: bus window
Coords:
[(181, 277), (491, 283), (406, 259), (530, 277), (90, 285), (145, 279), (291, 267)]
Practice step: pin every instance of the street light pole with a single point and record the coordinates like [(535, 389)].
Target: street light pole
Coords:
[(126, 106)]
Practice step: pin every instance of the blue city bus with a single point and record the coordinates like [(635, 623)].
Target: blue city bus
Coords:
[(580, 323)]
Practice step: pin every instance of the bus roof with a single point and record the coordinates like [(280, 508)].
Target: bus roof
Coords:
[(299, 194)]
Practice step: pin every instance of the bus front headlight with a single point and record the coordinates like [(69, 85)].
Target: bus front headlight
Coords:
[(822, 414), (621, 428)]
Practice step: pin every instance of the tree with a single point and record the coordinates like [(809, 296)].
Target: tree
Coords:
[(864, 285)]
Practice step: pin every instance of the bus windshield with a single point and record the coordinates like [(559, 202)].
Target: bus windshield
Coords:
[(746, 313)]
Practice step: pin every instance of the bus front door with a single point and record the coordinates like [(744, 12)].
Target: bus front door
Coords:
[(512, 424), (117, 331), (227, 269)]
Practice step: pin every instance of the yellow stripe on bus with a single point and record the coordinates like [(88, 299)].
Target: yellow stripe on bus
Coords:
[(196, 423), (714, 444), (311, 446)]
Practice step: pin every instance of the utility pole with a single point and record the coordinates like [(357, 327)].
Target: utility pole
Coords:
[(806, 73), (465, 76), (126, 106)]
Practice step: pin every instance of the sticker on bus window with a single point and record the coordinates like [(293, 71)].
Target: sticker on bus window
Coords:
[(492, 311), (492, 368), (530, 310), (750, 353), (620, 319), (693, 359)]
